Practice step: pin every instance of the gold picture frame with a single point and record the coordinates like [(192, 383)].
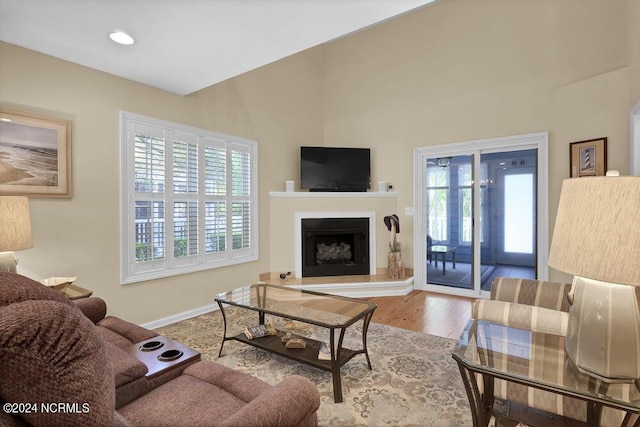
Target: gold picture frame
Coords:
[(35, 155), (588, 158)]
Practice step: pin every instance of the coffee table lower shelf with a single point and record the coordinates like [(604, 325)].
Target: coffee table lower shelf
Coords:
[(307, 355)]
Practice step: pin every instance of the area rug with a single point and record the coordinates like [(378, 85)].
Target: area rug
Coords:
[(414, 381), (460, 277)]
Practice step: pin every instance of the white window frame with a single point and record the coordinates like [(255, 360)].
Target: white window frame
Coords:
[(130, 270)]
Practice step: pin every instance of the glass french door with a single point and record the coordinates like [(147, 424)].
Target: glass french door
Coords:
[(449, 200), (479, 216), (516, 203)]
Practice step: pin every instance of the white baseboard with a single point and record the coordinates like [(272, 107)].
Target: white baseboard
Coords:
[(180, 316), (353, 290)]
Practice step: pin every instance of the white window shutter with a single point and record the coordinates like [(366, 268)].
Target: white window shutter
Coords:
[(189, 199)]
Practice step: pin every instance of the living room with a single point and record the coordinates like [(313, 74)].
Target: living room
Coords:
[(568, 68), (455, 71)]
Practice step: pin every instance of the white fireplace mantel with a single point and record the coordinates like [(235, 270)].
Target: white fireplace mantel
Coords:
[(287, 208), (316, 194)]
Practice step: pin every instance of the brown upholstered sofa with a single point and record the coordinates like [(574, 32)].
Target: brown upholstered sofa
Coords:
[(118, 336), (65, 363)]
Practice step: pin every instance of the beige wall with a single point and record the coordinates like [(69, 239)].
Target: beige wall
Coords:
[(454, 71), (634, 49), (80, 237), (464, 70), (576, 119)]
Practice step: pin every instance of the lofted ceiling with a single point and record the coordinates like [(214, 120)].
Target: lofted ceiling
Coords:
[(186, 45)]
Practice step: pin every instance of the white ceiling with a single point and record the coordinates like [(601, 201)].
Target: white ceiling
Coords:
[(185, 45)]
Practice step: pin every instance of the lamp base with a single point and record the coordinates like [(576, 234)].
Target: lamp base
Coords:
[(603, 335), (8, 262)]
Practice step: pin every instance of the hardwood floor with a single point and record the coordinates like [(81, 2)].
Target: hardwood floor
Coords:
[(427, 312)]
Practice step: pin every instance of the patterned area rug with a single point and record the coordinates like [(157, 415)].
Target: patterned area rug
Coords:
[(414, 381), (460, 277)]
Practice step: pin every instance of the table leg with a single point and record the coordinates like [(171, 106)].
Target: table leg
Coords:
[(594, 413), (335, 365), (224, 332), (444, 263), (631, 420), (479, 403), (454, 259), (365, 329)]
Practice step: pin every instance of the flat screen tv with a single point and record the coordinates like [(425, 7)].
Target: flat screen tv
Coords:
[(335, 169)]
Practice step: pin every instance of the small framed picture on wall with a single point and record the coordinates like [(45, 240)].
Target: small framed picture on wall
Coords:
[(588, 158)]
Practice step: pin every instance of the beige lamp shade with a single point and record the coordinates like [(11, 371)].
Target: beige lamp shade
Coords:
[(597, 230), (597, 238), (15, 224)]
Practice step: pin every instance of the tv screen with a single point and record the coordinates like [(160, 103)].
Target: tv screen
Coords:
[(335, 169)]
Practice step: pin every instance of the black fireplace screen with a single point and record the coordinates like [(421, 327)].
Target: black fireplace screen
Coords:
[(335, 246)]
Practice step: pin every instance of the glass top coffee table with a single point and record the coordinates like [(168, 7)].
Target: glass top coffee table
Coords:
[(537, 360), (335, 313)]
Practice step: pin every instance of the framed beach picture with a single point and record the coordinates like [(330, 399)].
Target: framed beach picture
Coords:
[(588, 158), (35, 155)]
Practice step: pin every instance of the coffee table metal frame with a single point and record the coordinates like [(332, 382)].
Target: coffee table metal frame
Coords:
[(308, 355), (482, 402)]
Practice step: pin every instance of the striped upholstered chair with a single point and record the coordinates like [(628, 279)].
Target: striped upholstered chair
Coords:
[(526, 304), (539, 306)]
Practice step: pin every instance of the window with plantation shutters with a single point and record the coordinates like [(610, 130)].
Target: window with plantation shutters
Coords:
[(189, 199)]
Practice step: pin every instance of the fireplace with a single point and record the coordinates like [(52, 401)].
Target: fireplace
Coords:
[(335, 246)]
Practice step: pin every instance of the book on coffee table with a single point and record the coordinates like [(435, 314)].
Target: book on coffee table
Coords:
[(259, 331)]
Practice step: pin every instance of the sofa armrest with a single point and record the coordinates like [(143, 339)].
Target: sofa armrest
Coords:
[(126, 368), (292, 402), (94, 308), (522, 316), (128, 330), (551, 295)]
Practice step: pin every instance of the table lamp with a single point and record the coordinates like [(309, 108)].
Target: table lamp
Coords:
[(597, 239), (15, 230)]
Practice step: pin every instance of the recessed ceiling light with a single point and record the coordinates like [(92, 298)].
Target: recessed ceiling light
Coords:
[(121, 37)]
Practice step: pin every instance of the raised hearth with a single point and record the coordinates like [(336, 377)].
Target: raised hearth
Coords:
[(349, 286)]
